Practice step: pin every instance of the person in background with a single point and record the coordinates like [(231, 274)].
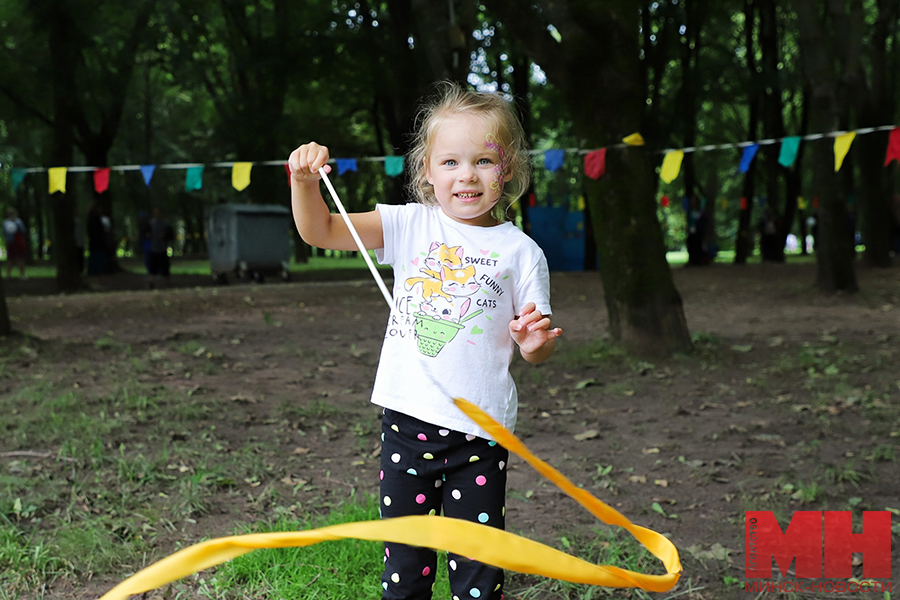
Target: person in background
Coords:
[(161, 236), (143, 220), (98, 242), (895, 225), (79, 244), (14, 234)]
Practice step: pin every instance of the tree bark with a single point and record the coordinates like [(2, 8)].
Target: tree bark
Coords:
[(743, 245), (61, 44), (835, 268), (606, 99)]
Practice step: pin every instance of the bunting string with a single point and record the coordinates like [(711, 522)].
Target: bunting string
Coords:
[(553, 158)]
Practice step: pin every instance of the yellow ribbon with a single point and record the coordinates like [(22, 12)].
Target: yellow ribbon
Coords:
[(479, 542)]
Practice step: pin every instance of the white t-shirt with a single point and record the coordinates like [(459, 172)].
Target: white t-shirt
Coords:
[(456, 288)]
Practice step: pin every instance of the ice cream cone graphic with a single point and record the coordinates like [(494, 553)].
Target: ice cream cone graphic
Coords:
[(433, 334)]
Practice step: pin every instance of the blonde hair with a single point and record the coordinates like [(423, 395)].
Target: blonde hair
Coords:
[(449, 100)]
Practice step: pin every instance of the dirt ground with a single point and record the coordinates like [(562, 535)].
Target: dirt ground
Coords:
[(787, 387)]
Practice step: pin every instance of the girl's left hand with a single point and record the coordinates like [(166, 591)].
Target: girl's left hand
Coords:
[(532, 332)]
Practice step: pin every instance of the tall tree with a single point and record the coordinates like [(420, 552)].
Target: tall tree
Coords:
[(821, 25), (87, 61), (872, 89), (594, 59)]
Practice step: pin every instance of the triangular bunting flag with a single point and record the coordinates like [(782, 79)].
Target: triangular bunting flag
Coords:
[(393, 165), (553, 159), (17, 176), (595, 163), (671, 165), (841, 148), (240, 175), (57, 179), (101, 180), (801, 202), (635, 139), (345, 164), (893, 149), (664, 201), (747, 157), (193, 179), (788, 154), (147, 172)]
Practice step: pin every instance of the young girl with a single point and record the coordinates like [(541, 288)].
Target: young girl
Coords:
[(468, 288)]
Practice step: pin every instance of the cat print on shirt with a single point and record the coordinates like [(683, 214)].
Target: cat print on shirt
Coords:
[(453, 301), (439, 256), (445, 290)]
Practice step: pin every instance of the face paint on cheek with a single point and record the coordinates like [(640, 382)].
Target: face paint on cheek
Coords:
[(500, 169)]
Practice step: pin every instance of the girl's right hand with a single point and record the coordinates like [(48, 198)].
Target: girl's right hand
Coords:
[(305, 162)]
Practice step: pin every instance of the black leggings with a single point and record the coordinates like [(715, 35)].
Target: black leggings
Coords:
[(427, 469)]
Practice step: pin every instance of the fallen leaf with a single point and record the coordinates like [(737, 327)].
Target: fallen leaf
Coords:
[(301, 450), (294, 481), (742, 348), (637, 479), (584, 383), (661, 482), (650, 450), (587, 435), (772, 438)]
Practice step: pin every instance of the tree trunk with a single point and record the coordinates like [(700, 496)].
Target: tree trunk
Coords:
[(875, 108), (743, 245), (834, 246), (68, 277), (606, 100)]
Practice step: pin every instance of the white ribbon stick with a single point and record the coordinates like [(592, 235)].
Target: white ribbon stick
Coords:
[(359, 244)]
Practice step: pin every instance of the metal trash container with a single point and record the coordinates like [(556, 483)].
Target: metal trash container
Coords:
[(249, 240)]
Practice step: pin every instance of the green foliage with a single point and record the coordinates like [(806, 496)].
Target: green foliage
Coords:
[(338, 569)]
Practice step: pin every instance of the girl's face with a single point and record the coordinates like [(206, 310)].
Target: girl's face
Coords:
[(466, 168)]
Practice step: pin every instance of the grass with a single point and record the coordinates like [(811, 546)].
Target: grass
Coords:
[(127, 465), (339, 260), (336, 569), (601, 546), (191, 266)]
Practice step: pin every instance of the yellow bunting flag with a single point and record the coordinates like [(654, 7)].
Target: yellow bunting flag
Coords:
[(635, 139), (841, 148), (801, 202), (57, 179), (473, 540), (671, 165), (240, 175)]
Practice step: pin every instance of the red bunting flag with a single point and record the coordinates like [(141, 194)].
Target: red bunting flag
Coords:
[(743, 203), (816, 202), (287, 170), (893, 149), (664, 201), (595, 163), (532, 200), (101, 180)]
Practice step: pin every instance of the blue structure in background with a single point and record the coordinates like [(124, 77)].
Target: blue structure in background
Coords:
[(560, 234)]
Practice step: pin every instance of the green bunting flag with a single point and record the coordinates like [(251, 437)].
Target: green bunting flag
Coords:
[(193, 180)]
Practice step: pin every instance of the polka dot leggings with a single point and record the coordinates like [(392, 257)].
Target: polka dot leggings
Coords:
[(426, 470)]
